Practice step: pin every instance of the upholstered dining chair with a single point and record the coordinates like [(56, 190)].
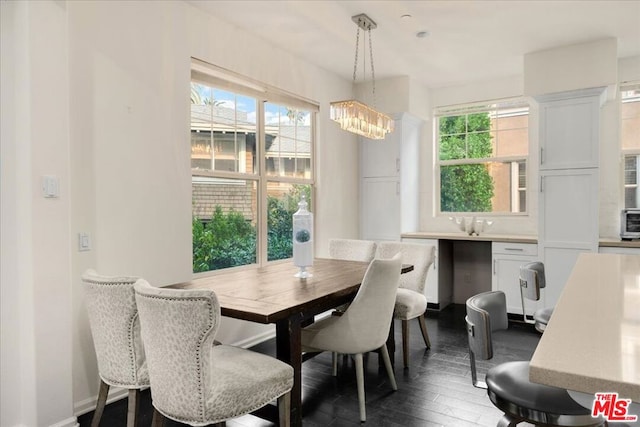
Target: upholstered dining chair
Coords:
[(411, 302), (364, 326), (352, 249), (532, 280), (194, 380), (115, 327), (508, 384)]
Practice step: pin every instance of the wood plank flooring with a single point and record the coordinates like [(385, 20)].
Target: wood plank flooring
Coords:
[(435, 390)]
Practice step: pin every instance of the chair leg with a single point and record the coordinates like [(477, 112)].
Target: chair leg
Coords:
[(102, 401), (158, 419), (360, 383), (284, 409), (334, 363), (405, 343), (132, 410), (387, 365), (508, 421), (423, 329)]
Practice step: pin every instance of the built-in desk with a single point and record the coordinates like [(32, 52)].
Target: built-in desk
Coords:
[(466, 265), (592, 343)]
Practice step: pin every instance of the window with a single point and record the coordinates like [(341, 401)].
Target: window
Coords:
[(482, 158), (251, 160), (630, 139)]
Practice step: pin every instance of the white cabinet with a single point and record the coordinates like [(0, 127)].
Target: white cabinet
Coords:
[(569, 129), (619, 250), (569, 183), (507, 259), (389, 181)]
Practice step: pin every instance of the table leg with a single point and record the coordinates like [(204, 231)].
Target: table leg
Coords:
[(289, 350)]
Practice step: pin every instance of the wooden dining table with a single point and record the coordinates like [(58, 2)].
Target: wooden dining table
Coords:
[(271, 294)]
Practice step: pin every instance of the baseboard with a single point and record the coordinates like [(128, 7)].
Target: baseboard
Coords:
[(433, 306), (254, 340), (69, 422), (88, 405)]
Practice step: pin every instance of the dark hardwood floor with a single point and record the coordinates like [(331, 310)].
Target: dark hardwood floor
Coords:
[(435, 390)]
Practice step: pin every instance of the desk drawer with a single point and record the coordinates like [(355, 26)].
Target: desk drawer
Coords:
[(514, 248)]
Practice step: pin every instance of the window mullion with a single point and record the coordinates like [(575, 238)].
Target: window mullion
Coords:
[(262, 185)]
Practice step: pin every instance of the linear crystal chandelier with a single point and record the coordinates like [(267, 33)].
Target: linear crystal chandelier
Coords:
[(352, 115)]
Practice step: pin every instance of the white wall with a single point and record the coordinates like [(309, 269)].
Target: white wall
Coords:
[(97, 93), (36, 294)]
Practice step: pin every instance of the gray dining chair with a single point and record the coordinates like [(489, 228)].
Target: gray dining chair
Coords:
[(115, 327), (195, 380), (508, 384), (411, 302), (364, 326), (532, 281)]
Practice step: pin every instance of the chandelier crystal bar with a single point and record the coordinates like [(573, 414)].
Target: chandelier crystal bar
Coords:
[(358, 118), (354, 116)]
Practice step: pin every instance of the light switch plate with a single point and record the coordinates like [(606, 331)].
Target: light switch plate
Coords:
[(50, 186), (84, 242)]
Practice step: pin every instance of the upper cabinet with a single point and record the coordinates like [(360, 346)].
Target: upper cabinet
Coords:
[(390, 180), (569, 129)]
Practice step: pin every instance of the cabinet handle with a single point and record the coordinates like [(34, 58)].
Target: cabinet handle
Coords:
[(397, 165), (542, 184), (541, 155), (514, 249), (494, 267)]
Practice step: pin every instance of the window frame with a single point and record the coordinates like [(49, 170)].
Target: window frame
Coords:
[(624, 153), (219, 78), (512, 160)]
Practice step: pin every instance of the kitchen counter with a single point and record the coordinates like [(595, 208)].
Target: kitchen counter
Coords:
[(505, 238), (617, 243), (592, 342)]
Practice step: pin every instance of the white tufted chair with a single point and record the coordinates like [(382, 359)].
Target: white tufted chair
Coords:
[(193, 380), (352, 249), (364, 326), (411, 302), (115, 328)]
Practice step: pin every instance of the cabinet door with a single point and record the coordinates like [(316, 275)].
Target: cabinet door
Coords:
[(569, 130), (381, 158), (568, 206), (380, 210)]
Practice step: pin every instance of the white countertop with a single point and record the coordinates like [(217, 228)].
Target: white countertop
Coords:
[(507, 238), (592, 342)]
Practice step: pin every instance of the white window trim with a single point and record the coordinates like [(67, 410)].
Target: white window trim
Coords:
[(472, 108)]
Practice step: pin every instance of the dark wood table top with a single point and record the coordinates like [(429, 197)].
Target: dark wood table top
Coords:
[(272, 293)]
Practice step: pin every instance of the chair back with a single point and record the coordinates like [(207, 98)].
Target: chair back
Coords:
[(486, 313), (352, 249), (532, 280), (420, 256), (178, 328), (366, 322), (115, 327)]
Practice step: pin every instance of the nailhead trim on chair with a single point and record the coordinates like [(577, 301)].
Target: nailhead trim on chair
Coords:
[(132, 356), (201, 403)]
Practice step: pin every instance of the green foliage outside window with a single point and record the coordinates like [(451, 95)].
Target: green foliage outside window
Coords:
[(229, 240), (467, 187)]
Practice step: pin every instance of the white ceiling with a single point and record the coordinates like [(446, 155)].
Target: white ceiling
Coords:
[(468, 40)]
